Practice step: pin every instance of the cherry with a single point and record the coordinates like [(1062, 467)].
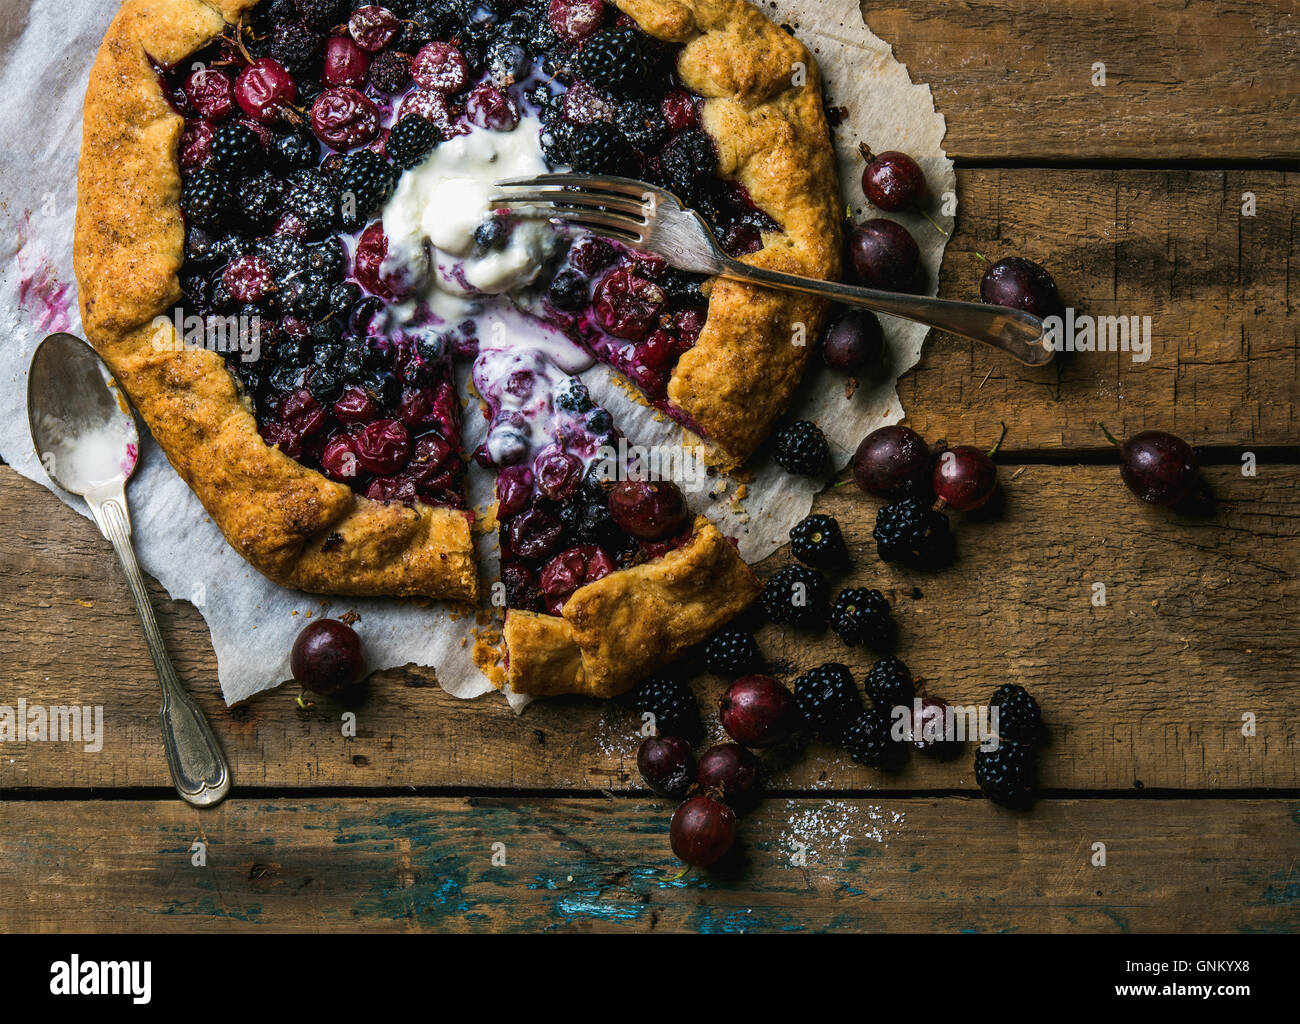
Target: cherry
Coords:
[(355, 406), (326, 657), (680, 110), (1019, 283), (373, 28), (965, 477), (702, 831), (196, 145), (647, 509), (892, 181), (885, 255), (667, 765), (558, 473), (346, 63), (432, 106), (572, 569), (339, 458), (514, 488), (383, 446), (1157, 467), (892, 462), (210, 93), (248, 279), (628, 306), (392, 488), (489, 107), (263, 90), (928, 729), (440, 68), (368, 262), (730, 772), (575, 20), (855, 343), (757, 711), (301, 415), (344, 118), (534, 535)]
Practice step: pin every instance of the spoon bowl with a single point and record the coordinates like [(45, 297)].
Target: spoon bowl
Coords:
[(82, 427)]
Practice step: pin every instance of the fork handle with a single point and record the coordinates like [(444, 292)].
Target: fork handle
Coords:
[(1015, 332)]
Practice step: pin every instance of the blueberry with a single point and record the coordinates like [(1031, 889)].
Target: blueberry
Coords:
[(573, 396), (327, 259), (327, 353), (492, 235), (342, 297), (600, 422), (325, 385), (569, 292)]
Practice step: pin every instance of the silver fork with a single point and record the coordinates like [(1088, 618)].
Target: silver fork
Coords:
[(645, 217)]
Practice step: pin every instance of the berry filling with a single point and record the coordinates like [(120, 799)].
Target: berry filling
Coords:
[(340, 255)]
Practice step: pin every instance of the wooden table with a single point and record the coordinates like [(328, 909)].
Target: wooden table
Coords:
[(1132, 195)]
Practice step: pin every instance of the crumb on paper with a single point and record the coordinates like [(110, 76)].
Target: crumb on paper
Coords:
[(350, 617), (85, 604)]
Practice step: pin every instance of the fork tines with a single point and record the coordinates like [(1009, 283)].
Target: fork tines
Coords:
[(619, 207)]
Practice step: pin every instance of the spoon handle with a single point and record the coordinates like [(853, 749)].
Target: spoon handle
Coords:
[(198, 766)]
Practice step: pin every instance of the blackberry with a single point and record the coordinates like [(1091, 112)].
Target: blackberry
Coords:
[(600, 149), (411, 140), (328, 260), (286, 254), (342, 297), (616, 59), (796, 596), (297, 47), (556, 139), (868, 739), (733, 653), (311, 299), (889, 683), (642, 124), (365, 183), (688, 161), (260, 200), (390, 71), (827, 698), (293, 152), (861, 616), (673, 704), (911, 532), (816, 540), (236, 151), (569, 292), (1006, 774), (801, 449), (206, 198), (682, 288), (321, 14), (573, 396), (311, 196), (1019, 719)]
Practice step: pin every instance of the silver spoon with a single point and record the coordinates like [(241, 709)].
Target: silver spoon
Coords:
[(86, 439)]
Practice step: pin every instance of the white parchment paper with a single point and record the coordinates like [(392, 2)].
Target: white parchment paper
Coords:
[(45, 52)]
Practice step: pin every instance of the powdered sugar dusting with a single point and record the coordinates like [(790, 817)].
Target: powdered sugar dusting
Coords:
[(826, 832)]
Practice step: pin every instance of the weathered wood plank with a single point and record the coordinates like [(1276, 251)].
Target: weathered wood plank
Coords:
[(605, 865), (1198, 630), (1169, 245), (1207, 80)]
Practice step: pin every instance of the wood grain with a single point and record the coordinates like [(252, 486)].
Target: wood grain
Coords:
[(1185, 79), (1198, 630), (604, 865), (1170, 245)]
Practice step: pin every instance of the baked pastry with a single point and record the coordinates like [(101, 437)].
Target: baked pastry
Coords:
[(284, 246)]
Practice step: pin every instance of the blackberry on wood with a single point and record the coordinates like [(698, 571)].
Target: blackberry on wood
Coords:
[(796, 596), (827, 698), (732, 652), (672, 703), (911, 532), (861, 616)]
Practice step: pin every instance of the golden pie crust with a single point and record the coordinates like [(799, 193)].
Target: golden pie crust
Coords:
[(616, 631), (763, 108)]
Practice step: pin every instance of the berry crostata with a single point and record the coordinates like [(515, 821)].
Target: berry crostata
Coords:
[(285, 248)]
